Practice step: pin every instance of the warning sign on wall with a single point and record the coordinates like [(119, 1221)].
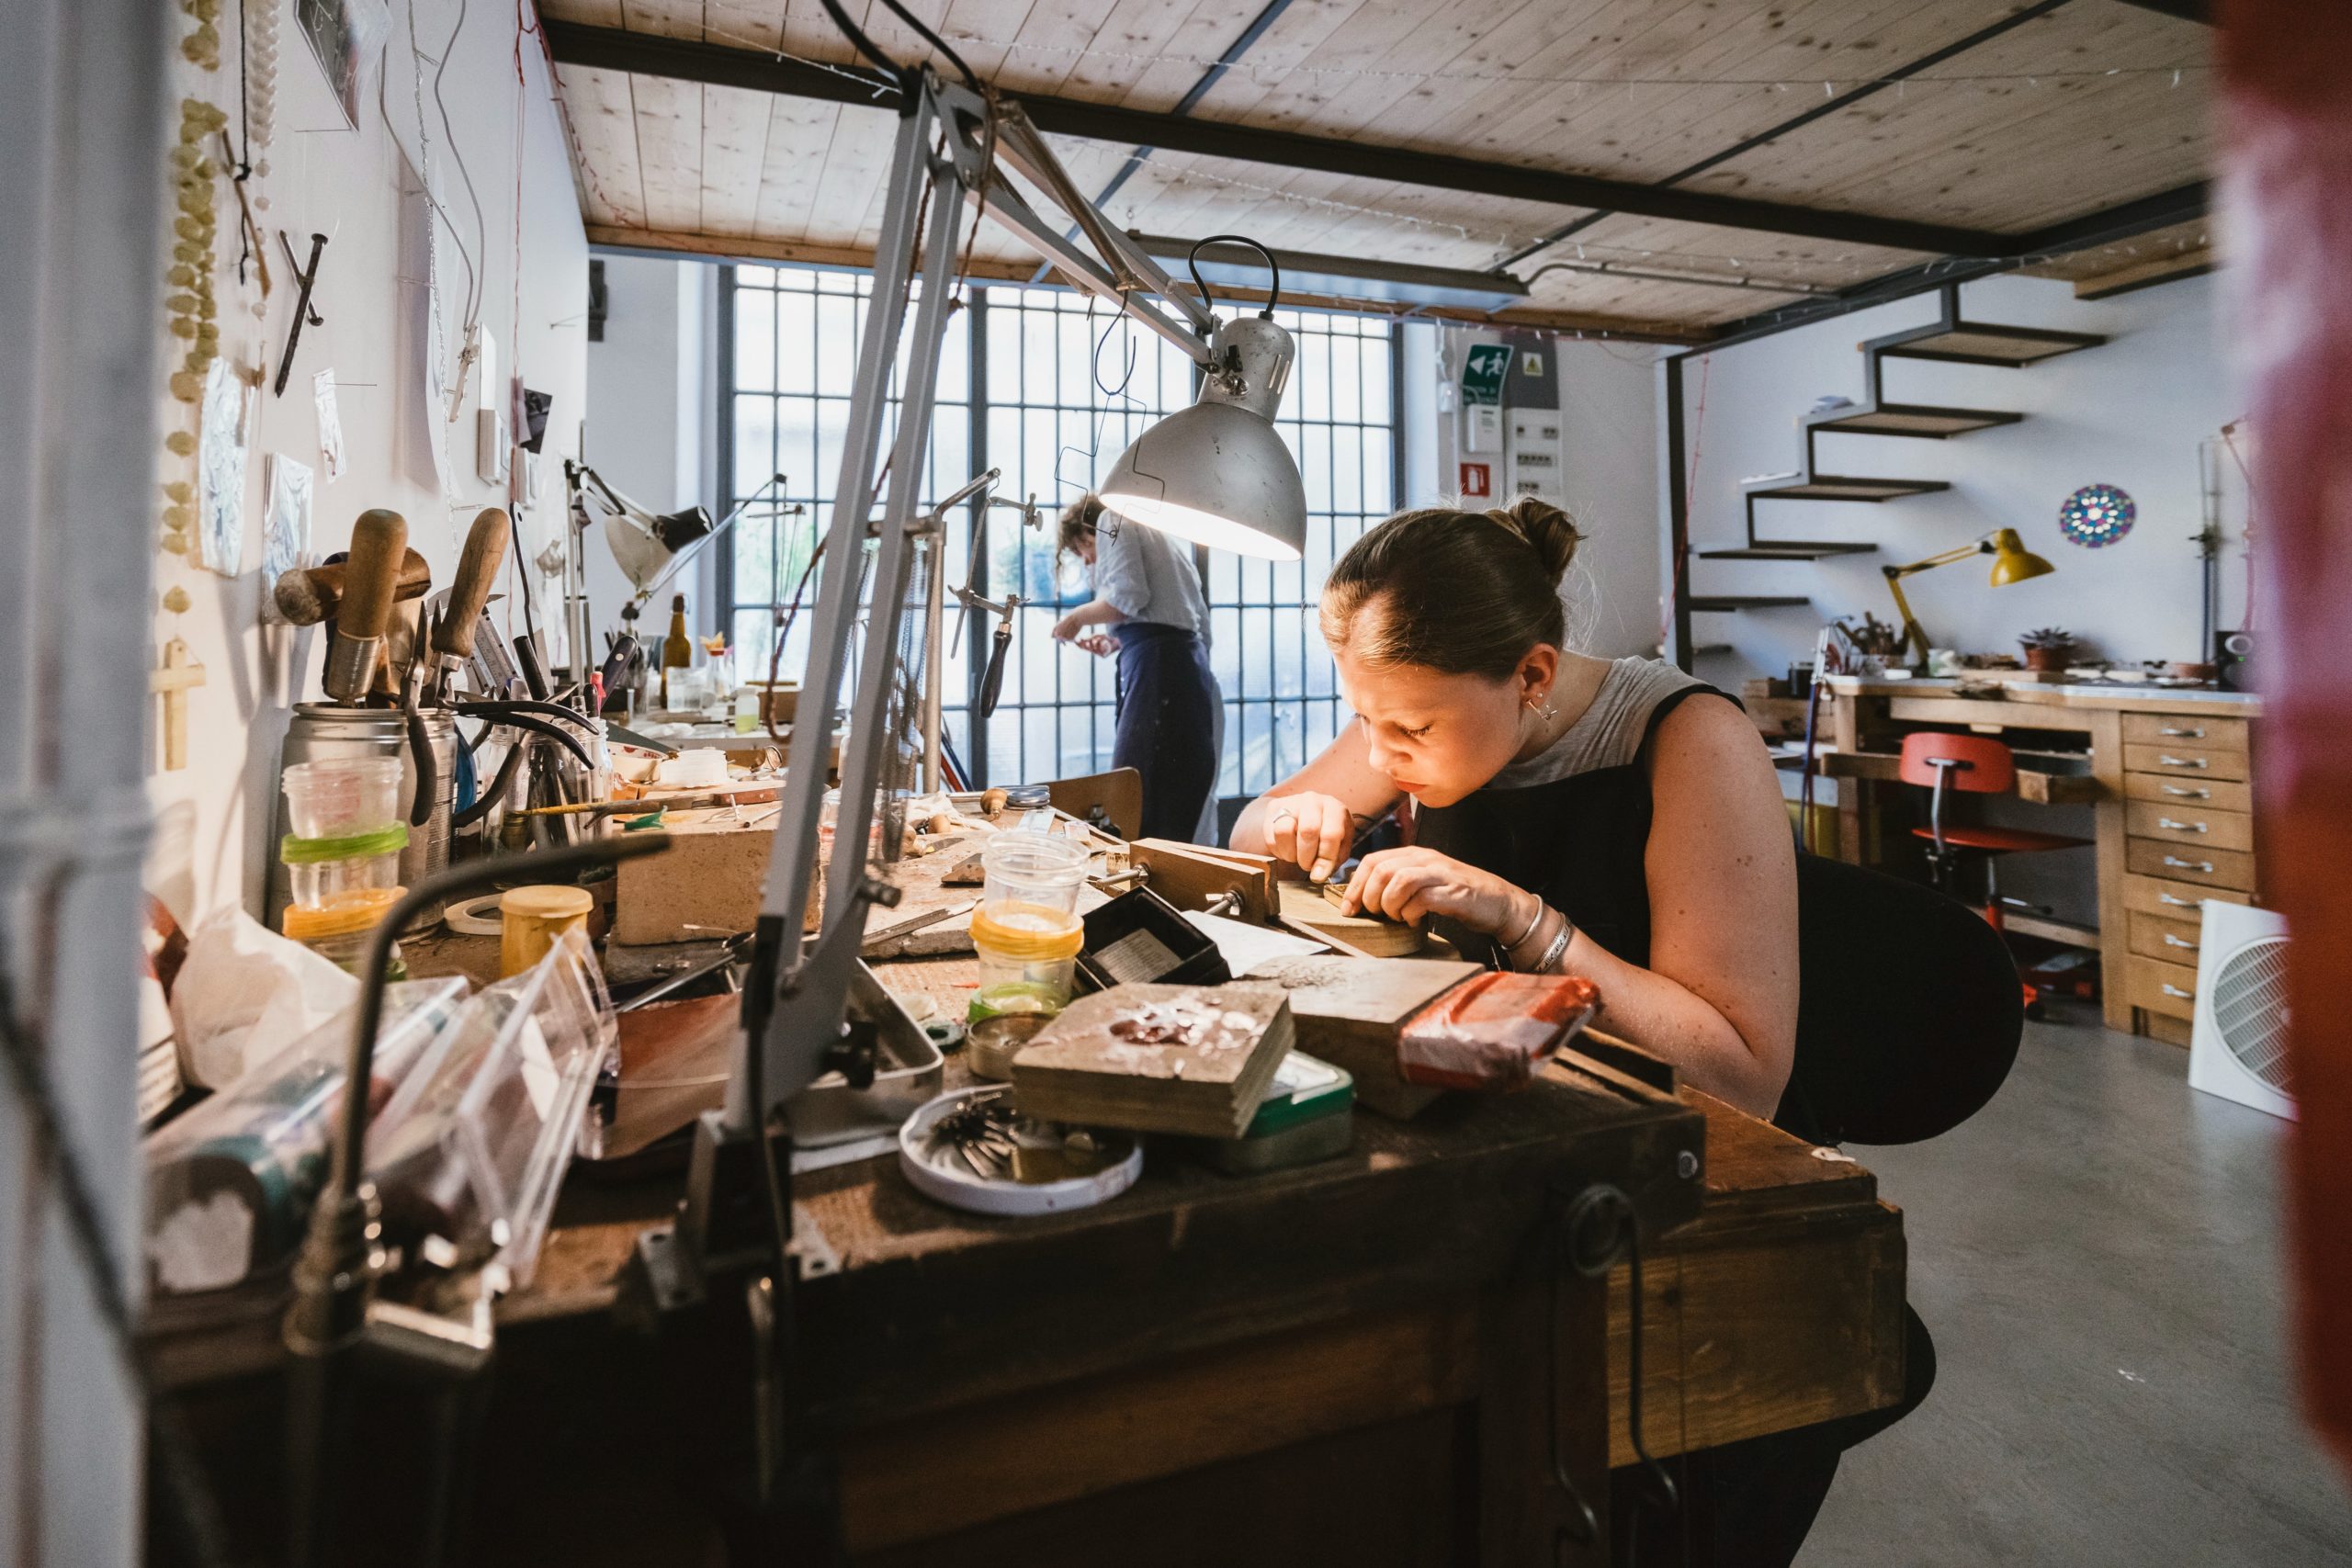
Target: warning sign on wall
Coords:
[(1477, 479)]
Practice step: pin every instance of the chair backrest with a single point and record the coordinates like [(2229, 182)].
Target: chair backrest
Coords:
[(1988, 766), (1909, 1015)]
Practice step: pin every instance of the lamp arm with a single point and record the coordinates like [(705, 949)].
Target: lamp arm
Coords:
[(645, 594), (1945, 559), (1911, 631)]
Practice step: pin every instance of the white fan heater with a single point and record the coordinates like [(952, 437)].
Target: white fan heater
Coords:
[(2238, 1044)]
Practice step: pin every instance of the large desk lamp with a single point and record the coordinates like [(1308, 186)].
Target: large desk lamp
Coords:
[(2012, 562), (1216, 473)]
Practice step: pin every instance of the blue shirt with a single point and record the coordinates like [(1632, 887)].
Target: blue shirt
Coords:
[(1146, 575)]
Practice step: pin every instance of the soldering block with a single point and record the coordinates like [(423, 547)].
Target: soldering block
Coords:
[(707, 885)]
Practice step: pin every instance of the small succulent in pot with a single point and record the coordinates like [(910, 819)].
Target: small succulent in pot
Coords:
[(2047, 648)]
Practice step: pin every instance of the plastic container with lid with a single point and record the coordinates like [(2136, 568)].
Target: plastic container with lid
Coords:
[(534, 918), (339, 930), (321, 871), (336, 797), (1026, 933)]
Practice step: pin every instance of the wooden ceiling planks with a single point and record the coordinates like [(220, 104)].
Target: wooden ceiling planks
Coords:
[(1495, 79), (1979, 152)]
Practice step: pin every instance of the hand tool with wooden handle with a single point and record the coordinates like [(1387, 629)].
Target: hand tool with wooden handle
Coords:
[(378, 541), (452, 632), (310, 595)]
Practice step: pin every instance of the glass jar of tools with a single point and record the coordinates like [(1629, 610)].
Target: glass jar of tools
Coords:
[(343, 857), (1026, 932)]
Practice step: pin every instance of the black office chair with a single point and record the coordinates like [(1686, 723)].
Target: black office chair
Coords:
[(1907, 1023)]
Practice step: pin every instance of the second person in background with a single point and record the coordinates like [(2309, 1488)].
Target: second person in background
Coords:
[(1172, 715)]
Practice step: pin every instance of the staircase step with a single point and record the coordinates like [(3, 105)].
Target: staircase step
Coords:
[(1911, 419), (1841, 487), (1982, 343), (1746, 600), (1788, 550)]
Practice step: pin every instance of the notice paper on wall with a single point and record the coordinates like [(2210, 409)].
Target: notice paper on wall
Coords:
[(330, 457), (286, 524), (221, 470)]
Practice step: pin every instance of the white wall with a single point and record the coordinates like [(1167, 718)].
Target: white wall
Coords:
[(652, 392), (1608, 409), (215, 817), (2130, 413)]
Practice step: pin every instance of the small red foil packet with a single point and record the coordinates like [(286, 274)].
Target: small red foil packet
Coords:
[(1489, 1032)]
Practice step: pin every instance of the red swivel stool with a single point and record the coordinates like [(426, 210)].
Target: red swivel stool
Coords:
[(1972, 764)]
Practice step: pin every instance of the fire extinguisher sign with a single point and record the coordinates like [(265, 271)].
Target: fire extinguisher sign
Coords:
[(1477, 479)]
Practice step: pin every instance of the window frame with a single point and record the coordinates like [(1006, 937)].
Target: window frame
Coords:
[(976, 407)]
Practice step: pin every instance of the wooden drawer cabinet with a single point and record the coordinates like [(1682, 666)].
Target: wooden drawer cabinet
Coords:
[(2181, 824), (2175, 728), (2161, 988), (2153, 936), (2173, 900), (2182, 758), (2173, 789), (2183, 862)]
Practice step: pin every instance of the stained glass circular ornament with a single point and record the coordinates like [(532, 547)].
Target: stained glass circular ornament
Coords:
[(2097, 516)]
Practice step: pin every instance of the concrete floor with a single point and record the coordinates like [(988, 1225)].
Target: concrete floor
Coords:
[(2097, 1254)]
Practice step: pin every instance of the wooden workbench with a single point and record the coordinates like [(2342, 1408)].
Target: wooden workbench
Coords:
[(2168, 772), (1347, 1361)]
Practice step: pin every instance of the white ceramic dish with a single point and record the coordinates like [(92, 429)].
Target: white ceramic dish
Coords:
[(956, 1187)]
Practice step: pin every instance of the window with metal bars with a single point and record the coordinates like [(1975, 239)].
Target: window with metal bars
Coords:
[(1035, 383)]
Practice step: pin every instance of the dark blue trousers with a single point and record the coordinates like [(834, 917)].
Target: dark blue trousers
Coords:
[(1171, 723)]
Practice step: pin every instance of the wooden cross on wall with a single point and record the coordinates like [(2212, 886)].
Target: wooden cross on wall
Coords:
[(172, 680)]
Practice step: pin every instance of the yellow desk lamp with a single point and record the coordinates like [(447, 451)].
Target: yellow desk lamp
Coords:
[(2012, 562)]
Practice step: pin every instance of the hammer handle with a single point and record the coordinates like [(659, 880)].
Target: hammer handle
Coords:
[(378, 542), (478, 568)]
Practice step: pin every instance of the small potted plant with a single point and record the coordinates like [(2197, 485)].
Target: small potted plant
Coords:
[(2047, 649)]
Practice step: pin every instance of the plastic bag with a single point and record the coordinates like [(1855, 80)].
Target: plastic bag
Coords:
[(244, 994)]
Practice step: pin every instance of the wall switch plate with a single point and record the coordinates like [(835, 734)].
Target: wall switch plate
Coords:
[(493, 451), (1482, 427)]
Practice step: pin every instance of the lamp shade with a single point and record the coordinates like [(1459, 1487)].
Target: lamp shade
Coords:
[(2012, 562), (1218, 473)]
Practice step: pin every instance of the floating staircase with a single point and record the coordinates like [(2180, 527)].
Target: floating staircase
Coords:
[(1947, 338)]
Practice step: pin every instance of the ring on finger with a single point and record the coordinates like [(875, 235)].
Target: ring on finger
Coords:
[(1283, 817)]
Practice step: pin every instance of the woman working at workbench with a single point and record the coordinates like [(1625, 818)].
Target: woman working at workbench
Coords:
[(1171, 717), (1585, 816), (1568, 814)]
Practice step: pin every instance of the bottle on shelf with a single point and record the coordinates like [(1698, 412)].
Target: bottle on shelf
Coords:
[(677, 649)]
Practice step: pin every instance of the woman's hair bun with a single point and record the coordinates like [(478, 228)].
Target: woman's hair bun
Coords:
[(1553, 534)]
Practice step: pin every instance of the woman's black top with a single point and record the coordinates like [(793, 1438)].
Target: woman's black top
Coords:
[(1909, 1009)]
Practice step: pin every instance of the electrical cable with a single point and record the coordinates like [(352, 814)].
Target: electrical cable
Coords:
[(1192, 262), (481, 230), (971, 77), (194, 1512), (868, 48)]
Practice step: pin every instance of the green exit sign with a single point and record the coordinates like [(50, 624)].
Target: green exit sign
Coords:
[(1483, 371)]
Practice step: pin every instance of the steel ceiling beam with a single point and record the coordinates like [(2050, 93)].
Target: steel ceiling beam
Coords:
[(646, 54)]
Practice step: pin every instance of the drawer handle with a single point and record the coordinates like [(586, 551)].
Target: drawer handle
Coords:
[(2197, 734), (2187, 794), (2183, 761), (2182, 826), (2172, 940), (2169, 898), (2172, 991), (2204, 866)]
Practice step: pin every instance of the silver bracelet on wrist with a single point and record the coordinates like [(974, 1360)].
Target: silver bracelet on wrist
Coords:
[(1513, 943), (1553, 953)]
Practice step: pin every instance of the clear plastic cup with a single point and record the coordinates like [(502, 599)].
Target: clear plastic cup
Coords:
[(1037, 870), (338, 797), (323, 871), (1026, 934)]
